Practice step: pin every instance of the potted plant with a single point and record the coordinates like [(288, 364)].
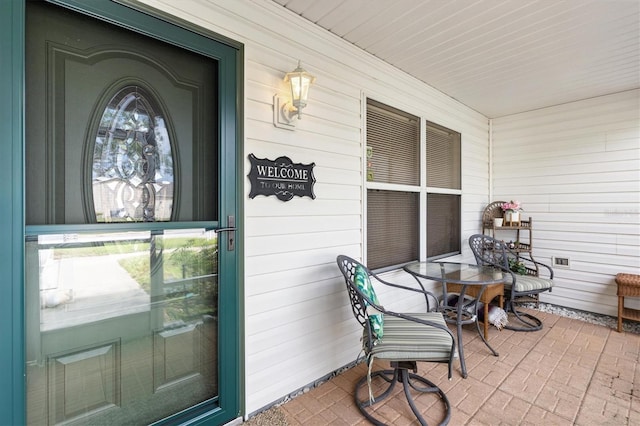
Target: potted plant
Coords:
[(512, 211), (516, 266)]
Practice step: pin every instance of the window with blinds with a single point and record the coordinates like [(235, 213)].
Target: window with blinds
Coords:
[(443, 157), (392, 228), (443, 173), (395, 222), (393, 143), (393, 157), (443, 225)]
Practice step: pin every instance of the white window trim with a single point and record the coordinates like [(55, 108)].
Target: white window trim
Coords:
[(423, 189)]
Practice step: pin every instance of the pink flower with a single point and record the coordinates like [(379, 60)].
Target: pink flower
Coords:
[(512, 206)]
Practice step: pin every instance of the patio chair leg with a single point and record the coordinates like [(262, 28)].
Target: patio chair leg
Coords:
[(532, 324), (401, 374)]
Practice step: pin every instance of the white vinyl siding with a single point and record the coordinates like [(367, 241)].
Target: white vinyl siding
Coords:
[(576, 170), (299, 326)]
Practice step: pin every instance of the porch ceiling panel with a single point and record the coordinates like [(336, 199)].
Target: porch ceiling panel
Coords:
[(498, 57)]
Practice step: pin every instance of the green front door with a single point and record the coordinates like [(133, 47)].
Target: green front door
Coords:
[(131, 293)]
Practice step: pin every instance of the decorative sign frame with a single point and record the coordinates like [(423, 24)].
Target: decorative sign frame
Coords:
[(281, 177)]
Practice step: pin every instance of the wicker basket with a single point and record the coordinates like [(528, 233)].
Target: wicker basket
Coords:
[(628, 285), (492, 211)]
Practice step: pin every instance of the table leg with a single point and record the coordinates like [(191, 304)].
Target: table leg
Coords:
[(463, 366), (486, 320), (487, 296), (483, 336), (485, 340)]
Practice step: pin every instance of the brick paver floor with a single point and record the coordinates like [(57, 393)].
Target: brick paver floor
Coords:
[(569, 373)]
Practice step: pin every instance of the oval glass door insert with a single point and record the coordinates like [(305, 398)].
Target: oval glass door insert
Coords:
[(132, 176)]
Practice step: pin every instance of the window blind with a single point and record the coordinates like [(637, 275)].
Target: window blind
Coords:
[(443, 157), (394, 140), (443, 224), (392, 228)]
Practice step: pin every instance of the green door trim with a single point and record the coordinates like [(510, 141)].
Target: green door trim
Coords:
[(12, 400), (12, 227)]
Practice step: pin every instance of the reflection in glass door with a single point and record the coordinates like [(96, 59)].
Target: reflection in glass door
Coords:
[(126, 328)]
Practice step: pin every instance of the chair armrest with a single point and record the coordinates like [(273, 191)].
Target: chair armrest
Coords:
[(534, 262), (547, 267), (426, 293), (375, 308)]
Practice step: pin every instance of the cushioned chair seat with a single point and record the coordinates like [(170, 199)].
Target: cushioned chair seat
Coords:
[(408, 340), (525, 283)]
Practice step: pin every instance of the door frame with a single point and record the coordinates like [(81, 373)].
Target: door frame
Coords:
[(160, 25)]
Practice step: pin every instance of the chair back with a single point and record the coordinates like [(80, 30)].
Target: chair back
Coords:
[(348, 267), (489, 251), (526, 282)]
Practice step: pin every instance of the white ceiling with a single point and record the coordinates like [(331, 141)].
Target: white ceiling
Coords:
[(498, 57)]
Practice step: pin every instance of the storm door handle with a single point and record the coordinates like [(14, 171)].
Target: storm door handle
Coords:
[(231, 232)]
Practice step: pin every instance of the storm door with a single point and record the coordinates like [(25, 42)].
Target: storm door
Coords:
[(124, 268)]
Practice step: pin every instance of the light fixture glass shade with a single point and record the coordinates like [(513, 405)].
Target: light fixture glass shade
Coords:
[(300, 81)]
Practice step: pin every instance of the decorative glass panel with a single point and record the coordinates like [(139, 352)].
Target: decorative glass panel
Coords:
[(132, 161)]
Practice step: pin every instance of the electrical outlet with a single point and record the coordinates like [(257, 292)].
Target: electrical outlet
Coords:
[(561, 262)]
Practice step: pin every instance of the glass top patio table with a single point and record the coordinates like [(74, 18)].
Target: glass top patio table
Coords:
[(465, 275), (456, 273)]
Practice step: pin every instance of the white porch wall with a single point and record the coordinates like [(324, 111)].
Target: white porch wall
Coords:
[(576, 169), (299, 326)]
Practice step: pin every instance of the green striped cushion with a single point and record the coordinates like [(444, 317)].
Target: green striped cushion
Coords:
[(526, 283), (409, 340), (363, 283)]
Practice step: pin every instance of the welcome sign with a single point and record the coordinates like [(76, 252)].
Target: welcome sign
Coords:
[(281, 177)]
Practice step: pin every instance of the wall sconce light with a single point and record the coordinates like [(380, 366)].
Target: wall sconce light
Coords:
[(283, 111)]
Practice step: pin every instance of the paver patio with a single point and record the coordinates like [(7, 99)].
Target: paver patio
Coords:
[(570, 373)]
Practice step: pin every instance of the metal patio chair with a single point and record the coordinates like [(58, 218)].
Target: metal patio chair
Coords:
[(535, 277), (403, 339)]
